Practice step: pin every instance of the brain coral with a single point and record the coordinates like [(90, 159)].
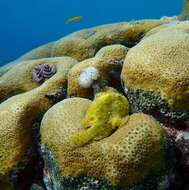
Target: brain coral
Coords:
[(128, 156), (160, 63)]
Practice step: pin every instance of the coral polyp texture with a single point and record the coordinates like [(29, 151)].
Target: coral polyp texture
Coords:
[(104, 108), (113, 52)]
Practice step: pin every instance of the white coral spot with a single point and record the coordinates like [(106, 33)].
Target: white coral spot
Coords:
[(88, 76)]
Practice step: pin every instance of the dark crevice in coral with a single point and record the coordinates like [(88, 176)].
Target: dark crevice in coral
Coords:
[(114, 75), (97, 87), (57, 95), (131, 42), (182, 158), (30, 170), (183, 167), (9, 94), (113, 79), (51, 174)]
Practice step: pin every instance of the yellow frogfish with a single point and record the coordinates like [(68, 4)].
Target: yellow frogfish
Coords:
[(106, 113)]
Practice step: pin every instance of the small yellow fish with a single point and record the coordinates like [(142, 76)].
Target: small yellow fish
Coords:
[(73, 19)]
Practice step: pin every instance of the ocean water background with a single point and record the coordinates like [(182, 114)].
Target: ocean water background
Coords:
[(26, 24)]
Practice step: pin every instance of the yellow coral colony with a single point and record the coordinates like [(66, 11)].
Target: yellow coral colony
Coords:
[(160, 62), (106, 113)]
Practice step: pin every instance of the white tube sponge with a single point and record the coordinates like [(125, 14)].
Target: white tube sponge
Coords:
[(88, 76)]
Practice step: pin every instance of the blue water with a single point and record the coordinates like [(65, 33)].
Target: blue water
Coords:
[(26, 24)]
